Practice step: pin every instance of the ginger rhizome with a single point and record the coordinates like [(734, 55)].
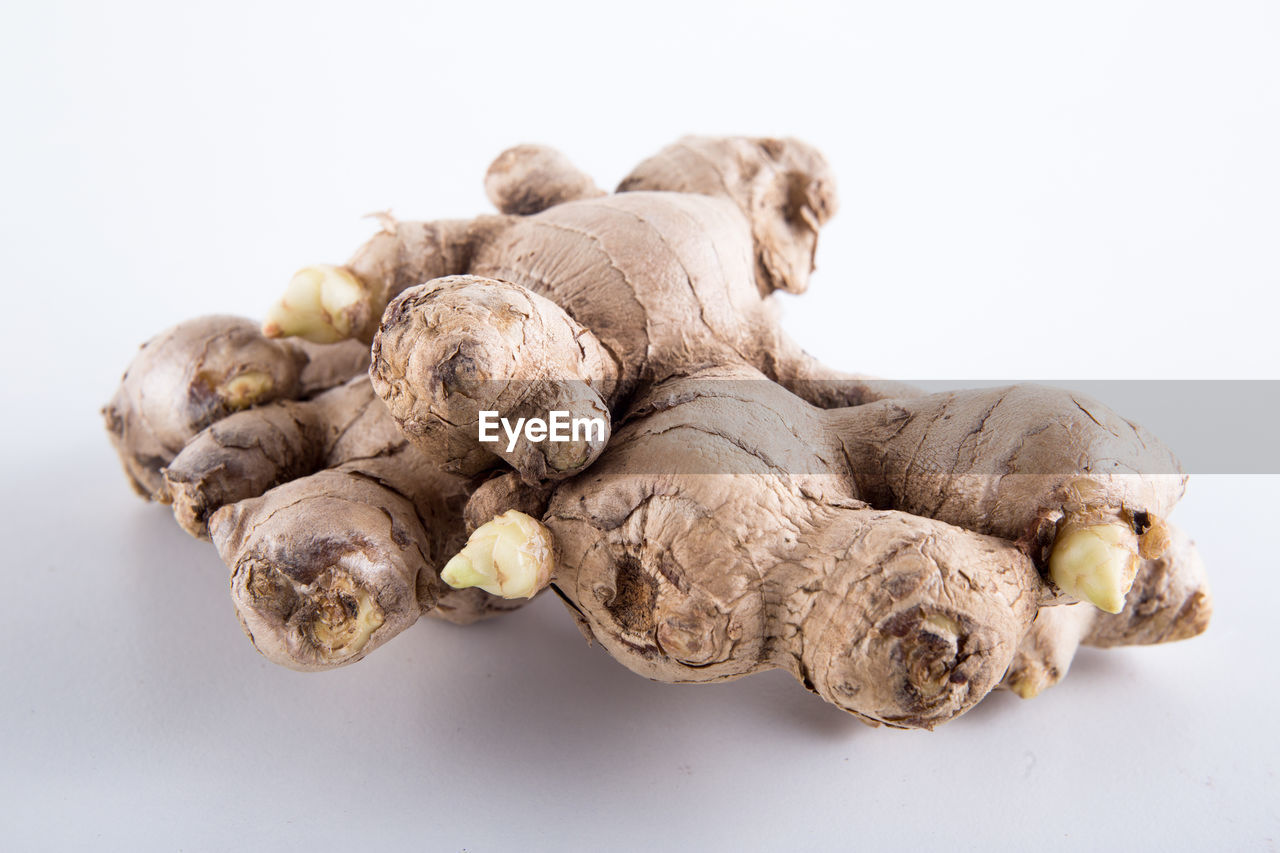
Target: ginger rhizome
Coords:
[(201, 371), (743, 508), (335, 527)]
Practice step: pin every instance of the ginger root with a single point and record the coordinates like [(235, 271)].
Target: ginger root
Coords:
[(201, 371), (755, 548), (335, 528), (741, 507)]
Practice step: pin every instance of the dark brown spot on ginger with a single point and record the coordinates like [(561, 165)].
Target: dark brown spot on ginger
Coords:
[(634, 597)]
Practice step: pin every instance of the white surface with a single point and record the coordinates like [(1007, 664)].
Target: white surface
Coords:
[(1089, 192)]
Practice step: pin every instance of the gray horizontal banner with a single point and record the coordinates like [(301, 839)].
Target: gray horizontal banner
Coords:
[(714, 424), (1213, 426)]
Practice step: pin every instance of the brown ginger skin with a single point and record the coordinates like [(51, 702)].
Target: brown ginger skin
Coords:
[(1170, 601), (680, 269), (439, 362), (528, 179), (749, 546), (333, 525), (1011, 462), (900, 554), (247, 453), (782, 187), (778, 192), (201, 371), (667, 260), (404, 254)]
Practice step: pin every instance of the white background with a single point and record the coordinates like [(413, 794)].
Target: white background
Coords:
[(1083, 190)]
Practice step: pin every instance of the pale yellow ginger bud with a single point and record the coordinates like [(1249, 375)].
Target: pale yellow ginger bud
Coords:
[(511, 556), (346, 618), (319, 305), (246, 389), (1096, 563), (1030, 681)]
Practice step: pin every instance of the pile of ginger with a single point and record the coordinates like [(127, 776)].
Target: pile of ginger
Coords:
[(741, 507)]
